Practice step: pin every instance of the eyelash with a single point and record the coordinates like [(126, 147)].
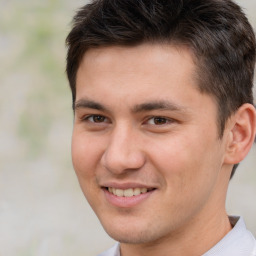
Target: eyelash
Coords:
[(159, 118), (87, 118)]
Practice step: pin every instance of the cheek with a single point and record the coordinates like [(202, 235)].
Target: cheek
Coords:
[(171, 155), (190, 174), (85, 161), (84, 156), (185, 161)]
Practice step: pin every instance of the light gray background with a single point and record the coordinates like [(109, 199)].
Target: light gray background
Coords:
[(42, 210)]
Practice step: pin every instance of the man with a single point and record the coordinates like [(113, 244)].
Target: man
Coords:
[(162, 97)]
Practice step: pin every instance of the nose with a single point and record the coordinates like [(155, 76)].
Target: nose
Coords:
[(123, 152)]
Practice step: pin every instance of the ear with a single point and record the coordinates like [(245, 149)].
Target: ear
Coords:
[(241, 134)]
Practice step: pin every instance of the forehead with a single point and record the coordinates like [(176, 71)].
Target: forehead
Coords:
[(140, 58), (122, 62), (139, 73)]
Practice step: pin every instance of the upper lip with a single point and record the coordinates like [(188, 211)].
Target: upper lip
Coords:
[(126, 185)]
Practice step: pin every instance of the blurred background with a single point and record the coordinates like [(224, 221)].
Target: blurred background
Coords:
[(42, 210)]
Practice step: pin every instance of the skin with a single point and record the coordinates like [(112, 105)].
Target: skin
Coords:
[(140, 120)]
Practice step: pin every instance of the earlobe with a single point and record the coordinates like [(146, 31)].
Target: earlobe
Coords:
[(242, 129)]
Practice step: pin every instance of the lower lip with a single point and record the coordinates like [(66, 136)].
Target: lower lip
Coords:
[(126, 202)]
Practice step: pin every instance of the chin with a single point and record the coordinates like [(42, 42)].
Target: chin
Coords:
[(131, 237), (133, 234)]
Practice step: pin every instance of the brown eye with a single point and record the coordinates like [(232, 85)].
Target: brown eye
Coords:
[(159, 120), (96, 119)]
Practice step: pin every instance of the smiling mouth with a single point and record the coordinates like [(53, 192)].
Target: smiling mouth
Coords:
[(128, 192)]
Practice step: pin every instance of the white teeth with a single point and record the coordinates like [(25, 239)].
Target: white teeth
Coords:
[(127, 192), (136, 191), (119, 192)]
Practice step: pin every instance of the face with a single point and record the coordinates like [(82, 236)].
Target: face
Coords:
[(145, 143)]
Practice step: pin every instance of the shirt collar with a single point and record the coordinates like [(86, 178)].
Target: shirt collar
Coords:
[(238, 242)]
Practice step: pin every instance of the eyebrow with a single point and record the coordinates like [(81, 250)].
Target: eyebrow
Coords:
[(86, 103), (156, 105)]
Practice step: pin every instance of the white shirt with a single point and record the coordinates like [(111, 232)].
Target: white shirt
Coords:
[(238, 242)]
